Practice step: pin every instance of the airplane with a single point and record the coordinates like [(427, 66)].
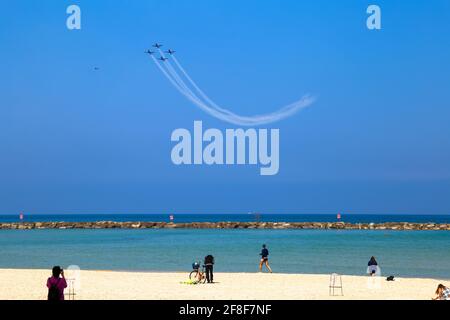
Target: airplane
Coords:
[(170, 51), (163, 59), (157, 45), (149, 52)]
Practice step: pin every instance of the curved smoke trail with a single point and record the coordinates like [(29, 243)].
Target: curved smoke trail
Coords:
[(176, 77), (186, 87), (210, 107), (188, 93)]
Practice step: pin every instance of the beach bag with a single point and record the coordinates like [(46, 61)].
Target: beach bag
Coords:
[(390, 278), (53, 292)]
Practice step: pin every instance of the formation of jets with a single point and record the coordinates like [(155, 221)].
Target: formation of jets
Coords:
[(158, 46)]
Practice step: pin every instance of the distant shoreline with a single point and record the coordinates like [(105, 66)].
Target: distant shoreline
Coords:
[(227, 225)]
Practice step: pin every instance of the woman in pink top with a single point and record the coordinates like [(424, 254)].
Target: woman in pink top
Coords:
[(56, 284)]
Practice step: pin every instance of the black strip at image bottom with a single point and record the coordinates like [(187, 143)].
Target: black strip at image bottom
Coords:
[(231, 309)]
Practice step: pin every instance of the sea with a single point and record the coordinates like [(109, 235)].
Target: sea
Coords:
[(423, 254)]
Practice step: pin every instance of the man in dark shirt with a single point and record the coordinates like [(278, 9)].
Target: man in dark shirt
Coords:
[(264, 259), (209, 262)]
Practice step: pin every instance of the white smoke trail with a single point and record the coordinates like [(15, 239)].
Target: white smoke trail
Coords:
[(204, 96), (176, 77), (214, 109), (255, 120), (193, 99), (181, 82), (280, 114), (180, 85), (167, 76)]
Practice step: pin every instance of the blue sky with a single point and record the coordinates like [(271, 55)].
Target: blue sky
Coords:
[(75, 140)]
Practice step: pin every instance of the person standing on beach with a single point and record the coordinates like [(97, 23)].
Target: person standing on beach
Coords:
[(372, 267), (264, 259), (209, 262), (56, 284)]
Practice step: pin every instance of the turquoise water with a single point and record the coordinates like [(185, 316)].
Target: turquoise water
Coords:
[(401, 253)]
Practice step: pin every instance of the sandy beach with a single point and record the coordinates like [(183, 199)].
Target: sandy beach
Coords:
[(105, 285)]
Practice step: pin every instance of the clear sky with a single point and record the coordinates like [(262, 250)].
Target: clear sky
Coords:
[(78, 140)]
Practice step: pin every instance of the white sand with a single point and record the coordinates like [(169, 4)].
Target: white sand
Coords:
[(30, 284)]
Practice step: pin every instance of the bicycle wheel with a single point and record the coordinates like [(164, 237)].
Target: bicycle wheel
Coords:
[(203, 279), (193, 276)]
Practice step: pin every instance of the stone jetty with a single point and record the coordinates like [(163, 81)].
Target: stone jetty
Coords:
[(226, 225)]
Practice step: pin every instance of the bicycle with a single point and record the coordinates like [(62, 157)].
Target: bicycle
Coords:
[(197, 275)]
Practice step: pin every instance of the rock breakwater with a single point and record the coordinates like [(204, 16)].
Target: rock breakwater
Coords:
[(225, 225)]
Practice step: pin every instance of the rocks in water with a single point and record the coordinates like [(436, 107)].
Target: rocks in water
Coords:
[(226, 225)]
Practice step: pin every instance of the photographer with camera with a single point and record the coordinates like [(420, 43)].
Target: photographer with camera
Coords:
[(56, 284)]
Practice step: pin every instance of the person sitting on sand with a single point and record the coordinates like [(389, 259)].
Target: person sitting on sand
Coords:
[(372, 266), (56, 284), (264, 259), (442, 293)]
